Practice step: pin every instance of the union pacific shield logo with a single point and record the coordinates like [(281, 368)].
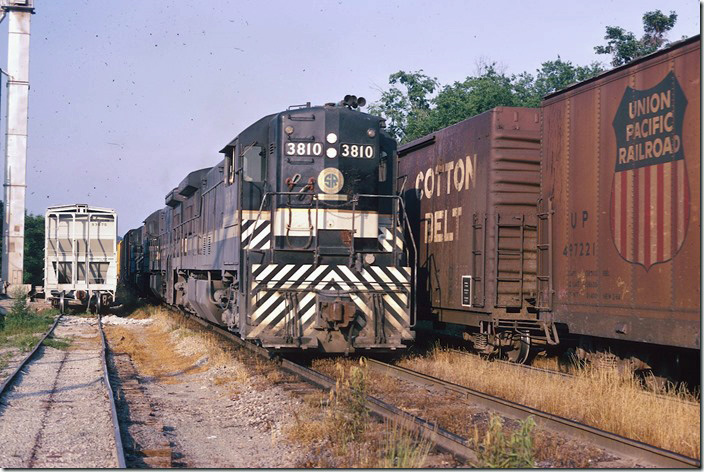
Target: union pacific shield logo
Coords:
[(650, 190)]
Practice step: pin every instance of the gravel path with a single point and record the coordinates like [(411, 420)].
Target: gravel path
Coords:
[(209, 414), (57, 413)]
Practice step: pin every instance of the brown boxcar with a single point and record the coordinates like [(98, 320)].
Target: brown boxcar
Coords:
[(471, 192), (619, 217)]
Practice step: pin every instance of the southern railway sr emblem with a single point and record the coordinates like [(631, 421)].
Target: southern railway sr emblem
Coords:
[(650, 190), (330, 180)]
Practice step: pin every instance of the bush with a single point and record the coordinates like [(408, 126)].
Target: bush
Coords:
[(19, 308), (495, 451), (348, 413), (403, 447), (21, 319)]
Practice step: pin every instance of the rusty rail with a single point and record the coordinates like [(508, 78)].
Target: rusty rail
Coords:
[(557, 373), (441, 438), (8, 381), (609, 441), (120, 450)]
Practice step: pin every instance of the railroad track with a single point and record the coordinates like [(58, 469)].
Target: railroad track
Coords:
[(557, 373), (57, 381), (443, 440), (8, 381), (611, 442), (454, 444), (119, 449)]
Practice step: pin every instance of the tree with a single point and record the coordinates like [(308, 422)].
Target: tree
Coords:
[(558, 74), (398, 106), (625, 47), (415, 112), (33, 249)]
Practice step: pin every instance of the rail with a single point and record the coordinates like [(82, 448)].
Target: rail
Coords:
[(634, 449), (6, 383), (441, 438), (557, 373), (120, 450)]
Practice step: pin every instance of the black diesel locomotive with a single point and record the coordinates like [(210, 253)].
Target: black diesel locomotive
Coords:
[(295, 240)]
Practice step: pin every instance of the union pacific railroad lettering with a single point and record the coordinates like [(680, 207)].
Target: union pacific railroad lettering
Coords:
[(648, 125), (650, 191)]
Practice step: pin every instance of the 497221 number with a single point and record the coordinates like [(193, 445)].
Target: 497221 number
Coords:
[(579, 249)]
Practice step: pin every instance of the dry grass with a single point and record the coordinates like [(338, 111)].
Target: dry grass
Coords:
[(604, 398), (338, 432), (466, 420), (168, 347)]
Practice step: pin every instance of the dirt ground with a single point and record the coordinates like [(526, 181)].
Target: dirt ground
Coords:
[(203, 405)]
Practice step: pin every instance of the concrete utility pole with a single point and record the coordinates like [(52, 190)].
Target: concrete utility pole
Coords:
[(19, 12)]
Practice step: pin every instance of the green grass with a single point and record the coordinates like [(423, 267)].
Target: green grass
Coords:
[(497, 450), (5, 360), (22, 326), (24, 342), (58, 343)]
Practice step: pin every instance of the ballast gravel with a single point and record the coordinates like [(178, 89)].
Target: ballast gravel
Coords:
[(57, 413), (215, 416)]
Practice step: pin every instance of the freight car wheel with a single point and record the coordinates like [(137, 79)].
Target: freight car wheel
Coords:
[(515, 346)]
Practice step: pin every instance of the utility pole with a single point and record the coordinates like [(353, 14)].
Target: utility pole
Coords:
[(19, 13)]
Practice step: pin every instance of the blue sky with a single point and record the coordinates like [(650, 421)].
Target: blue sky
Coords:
[(129, 96)]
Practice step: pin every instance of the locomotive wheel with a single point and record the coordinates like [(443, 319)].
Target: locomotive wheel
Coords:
[(515, 346)]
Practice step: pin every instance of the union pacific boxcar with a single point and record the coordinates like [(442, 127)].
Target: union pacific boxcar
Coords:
[(619, 253)]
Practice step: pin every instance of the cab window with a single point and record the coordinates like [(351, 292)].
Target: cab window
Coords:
[(253, 164)]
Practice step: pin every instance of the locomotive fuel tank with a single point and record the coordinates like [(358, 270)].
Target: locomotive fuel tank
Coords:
[(619, 232)]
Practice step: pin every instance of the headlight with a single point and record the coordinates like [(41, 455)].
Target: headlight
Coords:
[(288, 129), (371, 132), (331, 138), (369, 258), (331, 152)]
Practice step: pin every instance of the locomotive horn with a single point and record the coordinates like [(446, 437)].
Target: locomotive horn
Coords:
[(361, 101)]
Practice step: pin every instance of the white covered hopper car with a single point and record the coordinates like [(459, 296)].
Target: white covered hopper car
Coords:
[(80, 261)]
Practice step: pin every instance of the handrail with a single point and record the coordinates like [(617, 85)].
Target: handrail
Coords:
[(355, 199)]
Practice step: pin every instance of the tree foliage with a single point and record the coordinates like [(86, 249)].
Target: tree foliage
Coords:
[(411, 102), (416, 104), (416, 112), (625, 47), (33, 247)]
